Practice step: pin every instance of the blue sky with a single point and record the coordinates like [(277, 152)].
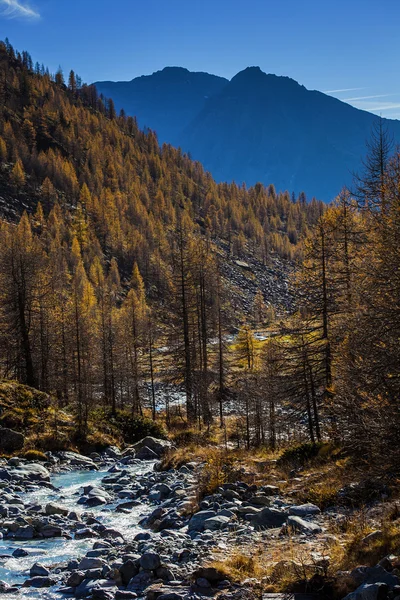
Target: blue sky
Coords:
[(350, 49)]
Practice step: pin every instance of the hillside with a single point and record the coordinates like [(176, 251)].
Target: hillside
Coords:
[(124, 247), (75, 151), (259, 127)]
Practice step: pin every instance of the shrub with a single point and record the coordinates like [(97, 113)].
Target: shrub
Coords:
[(134, 429), (299, 455), (34, 455)]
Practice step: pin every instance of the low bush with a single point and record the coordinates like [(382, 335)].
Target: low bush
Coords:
[(34, 455), (135, 428)]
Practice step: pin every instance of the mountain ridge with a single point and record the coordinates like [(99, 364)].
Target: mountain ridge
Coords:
[(257, 127)]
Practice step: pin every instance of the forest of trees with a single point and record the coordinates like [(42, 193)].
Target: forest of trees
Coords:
[(111, 283)]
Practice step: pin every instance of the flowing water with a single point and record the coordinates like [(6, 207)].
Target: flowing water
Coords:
[(58, 550)]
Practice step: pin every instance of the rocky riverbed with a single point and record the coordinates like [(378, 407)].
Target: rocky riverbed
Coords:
[(112, 526)]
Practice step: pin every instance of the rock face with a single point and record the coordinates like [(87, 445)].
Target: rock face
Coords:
[(10, 441)]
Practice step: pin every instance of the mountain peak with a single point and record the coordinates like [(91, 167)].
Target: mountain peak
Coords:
[(249, 73)]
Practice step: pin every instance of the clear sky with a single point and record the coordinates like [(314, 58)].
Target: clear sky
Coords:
[(349, 48)]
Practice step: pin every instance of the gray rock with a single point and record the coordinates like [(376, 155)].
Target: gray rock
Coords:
[(39, 582), (369, 591), (38, 570), (146, 453), (139, 581), (56, 509), (302, 510), (159, 447), (269, 517), (301, 526), (215, 523), (78, 460), (150, 561), (91, 563), (376, 574), (87, 587), (10, 440), (197, 521), (372, 537), (30, 472), (25, 532), (49, 531), (260, 500), (128, 570), (75, 578)]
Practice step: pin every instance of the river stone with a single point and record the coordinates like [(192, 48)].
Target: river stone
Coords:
[(20, 553), (128, 570), (31, 472), (75, 578), (85, 533), (269, 517), (10, 440), (302, 526), (197, 521), (38, 570), (25, 533), (302, 510), (77, 460), (150, 561), (56, 509), (91, 563), (49, 531), (140, 581), (87, 587), (39, 582)]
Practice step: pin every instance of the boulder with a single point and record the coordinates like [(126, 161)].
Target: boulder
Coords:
[(215, 523), (91, 563), (212, 574), (369, 591), (377, 574), (77, 460), (56, 509), (10, 440), (269, 517), (301, 526), (302, 510), (128, 570), (38, 570), (30, 472), (146, 453), (159, 447), (150, 561), (197, 521), (39, 582)]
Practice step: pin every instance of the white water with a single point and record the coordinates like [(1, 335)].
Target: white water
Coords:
[(58, 550)]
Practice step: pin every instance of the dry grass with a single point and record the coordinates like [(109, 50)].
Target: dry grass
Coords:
[(355, 551), (238, 566)]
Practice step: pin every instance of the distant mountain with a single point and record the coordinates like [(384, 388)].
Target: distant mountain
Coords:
[(166, 101), (256, 127)]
